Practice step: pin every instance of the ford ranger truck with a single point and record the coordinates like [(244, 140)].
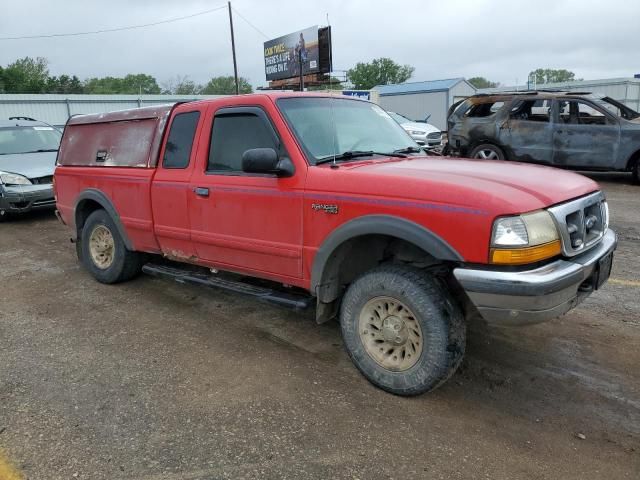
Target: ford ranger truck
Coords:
[(311, 200)]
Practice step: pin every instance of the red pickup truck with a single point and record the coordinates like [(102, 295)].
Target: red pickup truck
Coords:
[(319, 201)]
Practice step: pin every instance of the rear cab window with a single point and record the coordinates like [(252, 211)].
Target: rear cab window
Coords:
[(180, 140)]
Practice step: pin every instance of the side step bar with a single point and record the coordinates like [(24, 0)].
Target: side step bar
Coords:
[(289, 300)]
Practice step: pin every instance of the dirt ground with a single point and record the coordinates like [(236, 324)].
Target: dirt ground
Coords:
[(155, 380)]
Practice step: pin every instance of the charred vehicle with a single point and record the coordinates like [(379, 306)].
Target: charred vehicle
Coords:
[(580, 131)]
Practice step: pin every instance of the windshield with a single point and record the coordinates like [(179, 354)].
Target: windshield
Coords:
[(615, 107), (28, 139), (331, 126)]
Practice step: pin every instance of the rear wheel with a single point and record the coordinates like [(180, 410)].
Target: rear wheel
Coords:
[(487, 151), (103, 252), (402, 329), (635, 172)]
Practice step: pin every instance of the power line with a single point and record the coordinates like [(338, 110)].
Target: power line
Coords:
[(117, 29), (250, 24)]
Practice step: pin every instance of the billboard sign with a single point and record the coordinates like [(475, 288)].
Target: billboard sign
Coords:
[(282, 55)]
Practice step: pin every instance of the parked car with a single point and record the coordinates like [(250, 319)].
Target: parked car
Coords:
[(328, 201), (423, 133), (27, 161), (573, 130)]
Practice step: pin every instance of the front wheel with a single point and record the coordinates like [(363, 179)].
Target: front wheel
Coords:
[(487, 151), (103, 251), (402, 329)]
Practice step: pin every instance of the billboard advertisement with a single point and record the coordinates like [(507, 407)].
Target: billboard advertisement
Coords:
[(282, 55)]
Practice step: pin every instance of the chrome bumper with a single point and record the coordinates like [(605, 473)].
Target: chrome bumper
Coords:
[(532, 296)]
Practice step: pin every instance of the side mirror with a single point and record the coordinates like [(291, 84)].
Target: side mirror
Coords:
[(265, 160)]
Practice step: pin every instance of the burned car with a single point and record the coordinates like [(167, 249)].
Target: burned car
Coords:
[(28, 150), (574, 130)]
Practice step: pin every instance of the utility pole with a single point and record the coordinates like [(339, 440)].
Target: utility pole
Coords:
[(233, 50), (301, 70)]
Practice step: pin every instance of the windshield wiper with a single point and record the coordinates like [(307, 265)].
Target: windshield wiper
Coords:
[(349, 154), (409, 149), (43, 150)]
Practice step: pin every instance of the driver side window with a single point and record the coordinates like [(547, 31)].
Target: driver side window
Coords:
[(232, 135)]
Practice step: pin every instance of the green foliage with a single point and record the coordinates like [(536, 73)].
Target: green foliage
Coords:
[(64, 84), (481, 82), (181, 86), (549, 75), (381, 71), (26, 75), (132, 84), (225, 85)]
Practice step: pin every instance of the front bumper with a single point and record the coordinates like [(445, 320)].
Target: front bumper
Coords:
[(537, 295), (424, 140), (23, 198)]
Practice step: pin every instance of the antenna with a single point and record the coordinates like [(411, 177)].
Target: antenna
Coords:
[(331, 99)]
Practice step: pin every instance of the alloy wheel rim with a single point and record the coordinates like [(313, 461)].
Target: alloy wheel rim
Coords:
[(101, 247), (487, 154), (390, 333)]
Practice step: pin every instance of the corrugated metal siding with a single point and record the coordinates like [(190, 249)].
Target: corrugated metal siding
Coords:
[(418, 106), (56, 109)]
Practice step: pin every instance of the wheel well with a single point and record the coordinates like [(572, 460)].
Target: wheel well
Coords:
[(357, 255), (633, 159), (83, 210)]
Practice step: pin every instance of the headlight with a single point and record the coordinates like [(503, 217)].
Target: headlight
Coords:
[(524, 239), (605, 215), (13, 179), (416, 132)]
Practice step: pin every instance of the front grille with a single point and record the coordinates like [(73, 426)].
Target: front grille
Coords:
[(581, 222), (42, 180), (434, 135)]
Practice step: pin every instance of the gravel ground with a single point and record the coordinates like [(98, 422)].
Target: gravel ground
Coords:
[(156, 380)]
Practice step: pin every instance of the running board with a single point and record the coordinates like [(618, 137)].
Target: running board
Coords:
[(289, 300)]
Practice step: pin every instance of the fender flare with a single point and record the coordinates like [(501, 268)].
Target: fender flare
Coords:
[(380, 225), (101, 199)]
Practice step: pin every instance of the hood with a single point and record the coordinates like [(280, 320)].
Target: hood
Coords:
[(425, 127), (495, 186), (30, 165)]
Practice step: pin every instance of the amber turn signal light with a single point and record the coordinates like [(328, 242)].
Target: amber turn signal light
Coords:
[(521, 256)]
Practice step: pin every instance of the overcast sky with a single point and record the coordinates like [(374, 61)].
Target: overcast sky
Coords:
[(500, 40)]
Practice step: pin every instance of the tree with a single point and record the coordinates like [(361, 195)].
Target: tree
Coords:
[(226, 85), (132, 84), (481, 82), (381, 71), (181, 86), (26, 75), (64, 84), (549, 75)]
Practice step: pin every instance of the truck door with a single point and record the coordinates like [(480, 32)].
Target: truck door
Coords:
[(243, 221), (585, 135), (170, 189), (527, 133)]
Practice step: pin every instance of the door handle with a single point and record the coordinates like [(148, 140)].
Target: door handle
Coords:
[(201, 191)]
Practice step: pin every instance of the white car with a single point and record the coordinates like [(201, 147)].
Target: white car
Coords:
[(423, 133)]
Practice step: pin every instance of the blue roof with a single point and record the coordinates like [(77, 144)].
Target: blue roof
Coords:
[(418, 87)]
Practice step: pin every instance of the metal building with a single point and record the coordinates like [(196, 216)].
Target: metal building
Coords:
[(624, 90), (417, 100), (56, 109)]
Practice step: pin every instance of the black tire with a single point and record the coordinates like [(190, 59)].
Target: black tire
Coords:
[(438, 315), (490, 152), (635, 172), (125, 264)]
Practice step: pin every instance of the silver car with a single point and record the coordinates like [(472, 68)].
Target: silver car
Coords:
[(28, 151), (423, 133)]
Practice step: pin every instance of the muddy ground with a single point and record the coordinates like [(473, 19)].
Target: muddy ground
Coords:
[(156, 380)]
